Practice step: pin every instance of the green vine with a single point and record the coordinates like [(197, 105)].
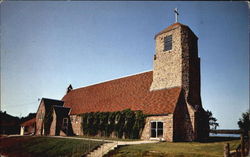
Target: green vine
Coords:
[(124, 124)]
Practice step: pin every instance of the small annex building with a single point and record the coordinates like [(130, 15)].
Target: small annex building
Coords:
[(169, 95), (52, 118), (28, 127)]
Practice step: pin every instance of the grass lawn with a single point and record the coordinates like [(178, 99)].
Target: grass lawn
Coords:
[(176, 149), (45, 146)]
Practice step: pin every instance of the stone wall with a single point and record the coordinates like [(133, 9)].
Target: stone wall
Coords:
[(167, 127), (146, 133), (180, 67), (76, 122), (191, 81), (167, 71), (39, 119), (53, 124), (56, 127), (183, 118), (190, 67)]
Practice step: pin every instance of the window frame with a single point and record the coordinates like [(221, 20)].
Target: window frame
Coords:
[(168, 42), (156, 129)]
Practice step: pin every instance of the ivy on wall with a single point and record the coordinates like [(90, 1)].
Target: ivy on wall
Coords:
[(124, 124)]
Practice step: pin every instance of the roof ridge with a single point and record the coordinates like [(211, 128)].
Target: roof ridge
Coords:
[(126, 76), (51, 99), (170, 27)]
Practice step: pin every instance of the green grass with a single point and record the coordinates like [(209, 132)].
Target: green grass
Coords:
[(177, 149), (45, 146), (60, 147)]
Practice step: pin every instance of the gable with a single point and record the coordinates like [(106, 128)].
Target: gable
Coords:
[(51, 102), (130, 92), (45, 105), (61, 111)]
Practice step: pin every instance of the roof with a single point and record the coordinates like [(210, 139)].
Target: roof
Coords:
[(61, 111), (29, 122), (49, 103), (173, 26), (130, 92), (53, 102)]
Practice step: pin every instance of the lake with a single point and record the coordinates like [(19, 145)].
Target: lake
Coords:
[(224, 135)]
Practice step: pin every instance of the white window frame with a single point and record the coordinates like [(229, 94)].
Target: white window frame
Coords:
[(157, 138)]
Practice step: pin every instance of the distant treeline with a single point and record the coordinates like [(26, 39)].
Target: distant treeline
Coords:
[(10, 124), (226, 131)]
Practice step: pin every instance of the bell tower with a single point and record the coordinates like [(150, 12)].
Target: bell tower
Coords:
[(176, 62)]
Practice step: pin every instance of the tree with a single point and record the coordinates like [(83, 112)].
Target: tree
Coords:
[(212, 120), (244, 122)]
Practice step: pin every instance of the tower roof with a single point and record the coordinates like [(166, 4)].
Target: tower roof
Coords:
[(173, 26)]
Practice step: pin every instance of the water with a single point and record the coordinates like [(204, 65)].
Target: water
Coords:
[(224, 135)]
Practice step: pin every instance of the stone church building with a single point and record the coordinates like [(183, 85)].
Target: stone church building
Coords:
[(169, 94)]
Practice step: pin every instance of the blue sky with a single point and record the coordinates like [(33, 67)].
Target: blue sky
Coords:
[(45, 46)]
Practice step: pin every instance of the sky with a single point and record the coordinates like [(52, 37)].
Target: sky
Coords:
[(45, 46)]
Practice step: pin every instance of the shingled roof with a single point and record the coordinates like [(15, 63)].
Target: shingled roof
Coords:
[(29, 122), (52, 102), (61, 111), (129, 92)]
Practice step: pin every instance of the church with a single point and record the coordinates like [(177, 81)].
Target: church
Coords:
[(169, 95)]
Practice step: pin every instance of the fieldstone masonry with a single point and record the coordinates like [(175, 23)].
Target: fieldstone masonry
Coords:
[(180, 67), (76, 122), (167, 125), (167, 71)]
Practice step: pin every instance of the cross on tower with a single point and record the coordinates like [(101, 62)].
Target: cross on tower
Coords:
[(176, 14)]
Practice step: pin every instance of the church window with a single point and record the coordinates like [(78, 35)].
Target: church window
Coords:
[(168, 43), (156, 129)]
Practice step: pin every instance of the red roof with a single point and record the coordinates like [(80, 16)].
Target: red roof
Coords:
[(29, 122), (116, 95), (173, 26)]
